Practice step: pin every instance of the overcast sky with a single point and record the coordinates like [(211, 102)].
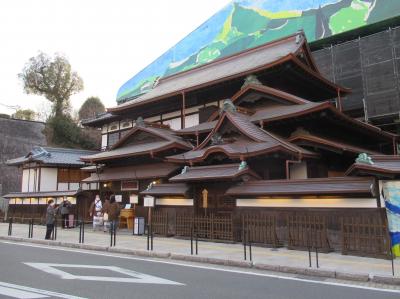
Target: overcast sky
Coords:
[(106, 42)]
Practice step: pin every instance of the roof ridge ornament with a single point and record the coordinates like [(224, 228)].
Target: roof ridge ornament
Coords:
[(228, 106), (251, 79), (216, 139), (185, 169), (365, 159), (242, 165), (140, 122)]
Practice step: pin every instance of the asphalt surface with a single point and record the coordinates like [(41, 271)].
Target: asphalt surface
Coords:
[(25, 268)]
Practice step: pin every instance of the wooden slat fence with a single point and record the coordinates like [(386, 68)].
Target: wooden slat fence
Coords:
[(260, 228), (160, 222), (209, 227), (307, 230), (365, 235)]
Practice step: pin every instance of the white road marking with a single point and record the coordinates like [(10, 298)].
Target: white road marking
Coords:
[(135, 277), (208, 268), (14, 293), (32, 292)]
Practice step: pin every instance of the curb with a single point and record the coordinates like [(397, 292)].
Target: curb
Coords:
[(312, 272)]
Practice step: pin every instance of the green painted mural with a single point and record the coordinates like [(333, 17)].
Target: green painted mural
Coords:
[(245, 24)]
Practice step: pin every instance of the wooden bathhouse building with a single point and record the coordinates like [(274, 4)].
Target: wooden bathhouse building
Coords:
[(254, 144), (49, 173)]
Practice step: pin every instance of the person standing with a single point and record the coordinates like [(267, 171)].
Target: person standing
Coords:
[(50, 218), (113, 214), (64, 210), (95, 212), (106, 210)]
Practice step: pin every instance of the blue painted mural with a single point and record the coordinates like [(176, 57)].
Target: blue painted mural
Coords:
[(391, 191), (244, 24)]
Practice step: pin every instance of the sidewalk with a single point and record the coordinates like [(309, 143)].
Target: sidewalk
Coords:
[(281, 259)]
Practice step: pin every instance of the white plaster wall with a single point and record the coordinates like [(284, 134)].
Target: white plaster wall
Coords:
[(191, 120), (32, 180), (104, 141), (25, 179), (308, 202), (48, 180), (174, 202), (298, 170)]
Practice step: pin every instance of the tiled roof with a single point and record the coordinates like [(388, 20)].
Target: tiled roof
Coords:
[(99, 119), (177, 189), (384, 165), (279, 112), (144, 171), (212, 172), (53, 156), (260, 141), (310, 139), (200, 128), (236, 65), (41, 194), (320, 186), (119, 150)]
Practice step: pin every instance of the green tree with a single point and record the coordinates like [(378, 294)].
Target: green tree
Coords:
[(26, 114), (63, 131), (90, 108), (52, 78)]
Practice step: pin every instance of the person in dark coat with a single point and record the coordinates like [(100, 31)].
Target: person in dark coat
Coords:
[(50, 218), (64, 210), (114, 211)]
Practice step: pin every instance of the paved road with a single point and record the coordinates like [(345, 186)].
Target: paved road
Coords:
[(32, 271)]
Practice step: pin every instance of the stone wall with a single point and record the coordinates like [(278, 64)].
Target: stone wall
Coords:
[(17, 137)]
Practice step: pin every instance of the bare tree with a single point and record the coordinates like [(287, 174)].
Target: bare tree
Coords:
[(52, 78)]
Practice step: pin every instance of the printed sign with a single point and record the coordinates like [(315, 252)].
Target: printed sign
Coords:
[(149, 201), (118, 198), (133, 198)]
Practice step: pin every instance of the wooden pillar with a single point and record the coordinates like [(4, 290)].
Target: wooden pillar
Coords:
[(183, 109), (339, 100), (394, 146)]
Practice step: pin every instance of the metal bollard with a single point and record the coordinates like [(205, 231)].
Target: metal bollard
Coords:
[(197, 243), (250, 252), (148, 238), (392, 257), (83, 231), (10, 223), (80, 232), (244, 245), (30, 230), (191, 241), (309, 256), (115, 233), (54, 234), (316, 256), (151, 237)]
